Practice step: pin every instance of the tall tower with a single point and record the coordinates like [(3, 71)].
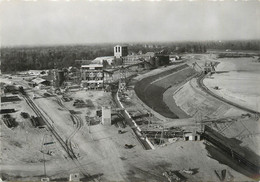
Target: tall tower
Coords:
[(120, 51)]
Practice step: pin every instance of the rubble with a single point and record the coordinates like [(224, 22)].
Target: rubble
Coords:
[(37, 121), (66, 99), (9, 121), (78, 103), (25, 115)]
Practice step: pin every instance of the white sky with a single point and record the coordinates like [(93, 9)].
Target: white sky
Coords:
[(80, 22)]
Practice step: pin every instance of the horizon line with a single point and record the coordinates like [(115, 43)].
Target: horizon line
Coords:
[(118, 43)]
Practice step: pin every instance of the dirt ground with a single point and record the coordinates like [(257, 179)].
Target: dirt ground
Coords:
[(100, 149), (201, 106), (238, 81)]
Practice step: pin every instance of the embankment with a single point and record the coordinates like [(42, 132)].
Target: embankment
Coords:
[(196, 103), (151, 89)]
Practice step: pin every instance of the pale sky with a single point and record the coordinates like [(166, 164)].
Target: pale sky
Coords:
[(82, 22)]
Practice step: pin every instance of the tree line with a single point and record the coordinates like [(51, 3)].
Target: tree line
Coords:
[(28, 58)]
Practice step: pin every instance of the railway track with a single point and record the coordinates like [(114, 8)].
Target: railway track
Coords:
[(76, 120), (66, 145), (210, 136), (207, 135), (60, 102), (79, 123), (205, 89)]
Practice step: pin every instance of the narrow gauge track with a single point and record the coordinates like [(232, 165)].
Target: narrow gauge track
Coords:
[(65, 145), (76, 120), (60, 102), (205, 89), (79, 124)]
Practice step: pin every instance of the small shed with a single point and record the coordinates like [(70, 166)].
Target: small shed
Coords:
[(193, 136), (74, 177)]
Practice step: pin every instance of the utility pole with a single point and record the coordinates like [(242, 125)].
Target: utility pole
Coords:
[(44, 165), (162, 135)]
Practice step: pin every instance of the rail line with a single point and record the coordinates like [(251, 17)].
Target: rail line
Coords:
[(211, 136), (65, 145), (76, 120), (205, 89), (79, 124)]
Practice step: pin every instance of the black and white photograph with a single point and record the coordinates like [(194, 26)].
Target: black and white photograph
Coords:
[(130, 91)]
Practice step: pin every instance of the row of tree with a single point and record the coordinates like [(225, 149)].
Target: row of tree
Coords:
[(26, 58)]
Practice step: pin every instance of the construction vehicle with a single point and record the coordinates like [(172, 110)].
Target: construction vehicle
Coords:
[(209, 67)]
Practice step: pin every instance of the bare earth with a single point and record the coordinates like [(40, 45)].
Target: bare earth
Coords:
[(239, 81), (100, 149)]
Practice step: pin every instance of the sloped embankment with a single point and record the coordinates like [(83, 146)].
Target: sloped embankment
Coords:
[(151, 89), (197, 103)]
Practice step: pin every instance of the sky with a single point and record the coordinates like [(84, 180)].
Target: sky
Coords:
[(86, 22)]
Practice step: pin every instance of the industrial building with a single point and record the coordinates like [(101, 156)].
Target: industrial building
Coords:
[(120, 51), (92, 76), (153, 59), (97, 60), (100, 60)]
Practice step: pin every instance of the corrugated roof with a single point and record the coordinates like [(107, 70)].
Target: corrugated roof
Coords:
[(38, 80)]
